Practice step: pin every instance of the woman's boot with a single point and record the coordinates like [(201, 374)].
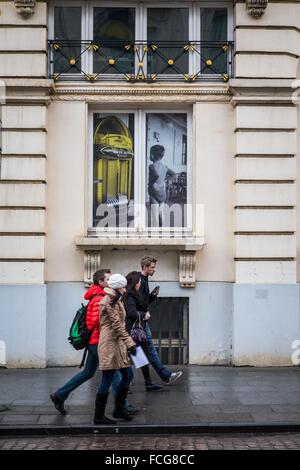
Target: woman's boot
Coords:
[(121, 412), (100, 404)]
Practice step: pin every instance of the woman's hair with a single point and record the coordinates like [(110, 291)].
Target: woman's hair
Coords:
[(132, 279), (157, 152), (116, 298)]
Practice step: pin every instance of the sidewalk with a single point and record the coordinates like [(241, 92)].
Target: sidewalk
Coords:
[(205, 397)]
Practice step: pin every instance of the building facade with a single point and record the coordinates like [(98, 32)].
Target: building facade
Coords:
[(132, 128)]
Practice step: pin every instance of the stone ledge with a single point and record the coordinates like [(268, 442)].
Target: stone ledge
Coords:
[(261, 82), (28, 82), (133, 243)]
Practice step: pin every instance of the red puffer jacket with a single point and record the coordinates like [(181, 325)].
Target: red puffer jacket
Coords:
[(92, 314)]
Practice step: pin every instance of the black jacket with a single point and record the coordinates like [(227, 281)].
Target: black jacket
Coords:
[(135, 307), (145, 291)]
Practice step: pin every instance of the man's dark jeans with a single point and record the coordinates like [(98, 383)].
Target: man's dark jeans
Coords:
[(154, 359)]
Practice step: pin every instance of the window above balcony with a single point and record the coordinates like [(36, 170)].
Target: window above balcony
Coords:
[(143, 42)]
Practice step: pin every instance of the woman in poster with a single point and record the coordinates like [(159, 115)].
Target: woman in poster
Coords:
[(159, 174)]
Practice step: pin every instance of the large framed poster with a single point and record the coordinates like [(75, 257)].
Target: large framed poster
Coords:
[(140, 171), (113, 169)]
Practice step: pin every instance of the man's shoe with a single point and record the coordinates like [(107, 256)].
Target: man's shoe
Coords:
[(59, 404), (174, 376), (153, 387), (103, 420), (132, 410), (122, 413)]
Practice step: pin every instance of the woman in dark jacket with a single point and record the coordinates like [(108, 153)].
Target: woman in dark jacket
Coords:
[(137, 309)]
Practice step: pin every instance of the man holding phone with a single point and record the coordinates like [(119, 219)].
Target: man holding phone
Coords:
[(148, 267)]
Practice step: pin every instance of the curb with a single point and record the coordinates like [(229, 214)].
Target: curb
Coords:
[(218, 428)]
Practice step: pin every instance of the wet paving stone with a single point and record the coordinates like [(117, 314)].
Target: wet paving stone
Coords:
[(202, 395)]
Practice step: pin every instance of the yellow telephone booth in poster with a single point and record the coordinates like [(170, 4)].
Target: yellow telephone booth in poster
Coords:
[(113, 146)]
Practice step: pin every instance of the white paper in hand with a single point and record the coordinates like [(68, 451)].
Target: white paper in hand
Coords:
[(140, 358)]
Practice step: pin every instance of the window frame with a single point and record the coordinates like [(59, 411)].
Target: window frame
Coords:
[(90, 21), (84, 30), (140, 228), (230, 24), (144, 19)]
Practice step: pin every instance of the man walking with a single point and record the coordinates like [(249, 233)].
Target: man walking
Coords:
[(148, 267)]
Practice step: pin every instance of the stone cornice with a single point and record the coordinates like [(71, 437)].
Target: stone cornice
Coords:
[(25, 8), (145, 94), (27, 91), (109, 242), (140, 91), (256, 8)]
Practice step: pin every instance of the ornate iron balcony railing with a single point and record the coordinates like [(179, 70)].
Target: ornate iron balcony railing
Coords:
[(140, 61)]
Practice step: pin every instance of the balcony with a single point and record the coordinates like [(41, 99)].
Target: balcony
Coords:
[(141, 61)]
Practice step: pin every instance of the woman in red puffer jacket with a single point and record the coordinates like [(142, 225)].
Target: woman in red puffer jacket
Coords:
[(94, 295)]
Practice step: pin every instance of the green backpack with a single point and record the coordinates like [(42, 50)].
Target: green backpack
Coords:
[(79, 335)]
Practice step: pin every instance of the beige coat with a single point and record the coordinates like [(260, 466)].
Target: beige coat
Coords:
[(114, 339)]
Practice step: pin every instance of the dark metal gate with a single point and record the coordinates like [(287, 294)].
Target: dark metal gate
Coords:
[(169, 326)]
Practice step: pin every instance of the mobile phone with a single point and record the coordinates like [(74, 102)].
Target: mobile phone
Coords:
[(156, 288)]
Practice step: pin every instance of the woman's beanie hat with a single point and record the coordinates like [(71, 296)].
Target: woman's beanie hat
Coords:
[(117, 281)]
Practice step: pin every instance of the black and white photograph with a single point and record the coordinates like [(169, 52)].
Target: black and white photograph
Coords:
[(166, 160)]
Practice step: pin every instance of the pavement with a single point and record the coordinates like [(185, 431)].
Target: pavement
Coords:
[(189, 443), (203, 399)]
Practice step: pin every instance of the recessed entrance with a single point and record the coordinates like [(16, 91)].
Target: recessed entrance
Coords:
[(169, 326)]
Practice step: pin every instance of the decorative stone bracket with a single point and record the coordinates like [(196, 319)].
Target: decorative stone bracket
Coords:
[(256, 8), (92, 263), (25, 8), (186, 249), (187, 269)]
